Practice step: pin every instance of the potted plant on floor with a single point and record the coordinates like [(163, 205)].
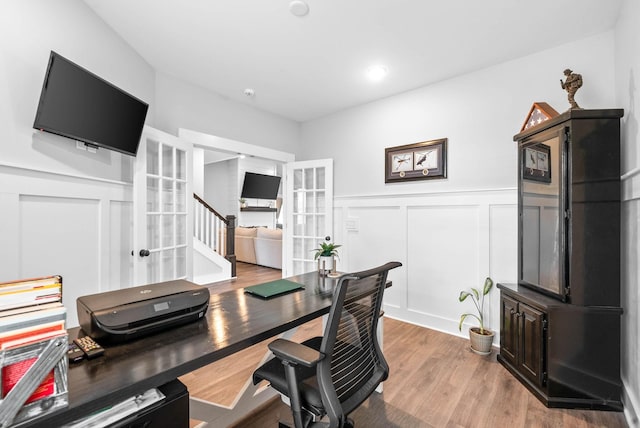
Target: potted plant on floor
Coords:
[(480, 337), (325, 255)]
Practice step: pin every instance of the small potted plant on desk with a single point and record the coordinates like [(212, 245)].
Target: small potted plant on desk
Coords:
[(325, 256), (480, 337), (243, 203)]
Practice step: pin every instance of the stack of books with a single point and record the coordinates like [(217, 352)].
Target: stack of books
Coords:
[(33, 347)]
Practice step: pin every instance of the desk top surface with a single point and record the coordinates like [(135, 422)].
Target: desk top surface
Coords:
[(234, 321)]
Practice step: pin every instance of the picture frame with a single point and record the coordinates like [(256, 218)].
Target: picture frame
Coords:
[(426, 160), (536, 163)]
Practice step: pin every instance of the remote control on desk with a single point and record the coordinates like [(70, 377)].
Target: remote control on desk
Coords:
[(90, 348), (74, 353)]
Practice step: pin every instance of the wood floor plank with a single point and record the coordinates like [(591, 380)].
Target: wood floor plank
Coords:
[(434, 381)]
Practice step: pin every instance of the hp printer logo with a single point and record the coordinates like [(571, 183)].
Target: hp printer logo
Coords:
[(145, 291)]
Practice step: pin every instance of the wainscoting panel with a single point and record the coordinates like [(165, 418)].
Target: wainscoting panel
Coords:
[(446, 241), (60, 236), (120, 244), (503, 254), (443, 253), (375, 236), (60, 224), (503, 241)]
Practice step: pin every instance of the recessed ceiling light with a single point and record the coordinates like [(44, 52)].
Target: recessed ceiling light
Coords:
[(298, 7), (376, 73)]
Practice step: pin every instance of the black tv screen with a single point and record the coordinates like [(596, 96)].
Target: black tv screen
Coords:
[(260, 186), (76, 103)]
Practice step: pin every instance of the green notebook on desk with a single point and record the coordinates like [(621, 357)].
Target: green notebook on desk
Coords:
[(273, 288)]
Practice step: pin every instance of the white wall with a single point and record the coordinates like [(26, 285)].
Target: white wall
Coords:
[(479, 113), (223, 183), (198, 171), (221, 186), (627, 79), (182, 105), (29, 31), (448, 233), (63, 211)]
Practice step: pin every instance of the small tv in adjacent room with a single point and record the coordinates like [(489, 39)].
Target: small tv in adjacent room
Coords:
[(260, 186), (77, 104)]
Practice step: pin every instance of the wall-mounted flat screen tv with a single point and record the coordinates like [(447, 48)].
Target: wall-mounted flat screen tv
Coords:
[(77, 104), (260, 186)]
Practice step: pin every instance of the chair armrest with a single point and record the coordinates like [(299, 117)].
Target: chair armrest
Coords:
[(293, 352)]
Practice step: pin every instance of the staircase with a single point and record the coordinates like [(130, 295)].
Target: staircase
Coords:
[(213, 244)]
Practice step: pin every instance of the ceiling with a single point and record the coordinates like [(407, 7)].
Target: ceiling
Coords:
[(307, 67)]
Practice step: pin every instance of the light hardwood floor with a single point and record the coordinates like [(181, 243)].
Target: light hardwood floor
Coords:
[(434, 381)]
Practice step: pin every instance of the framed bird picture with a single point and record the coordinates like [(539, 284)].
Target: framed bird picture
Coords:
[(536, 162), (426, 160)]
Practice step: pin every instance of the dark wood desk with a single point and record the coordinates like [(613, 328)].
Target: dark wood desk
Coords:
[(234, 321)]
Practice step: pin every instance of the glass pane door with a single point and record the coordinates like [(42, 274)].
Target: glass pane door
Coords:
[(542, 215), (309, 208), (162, 188)]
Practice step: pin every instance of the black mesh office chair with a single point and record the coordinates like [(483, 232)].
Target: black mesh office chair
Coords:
[(333, 374)]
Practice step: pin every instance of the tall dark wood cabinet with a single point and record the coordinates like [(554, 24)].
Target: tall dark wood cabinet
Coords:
[(560, 324)]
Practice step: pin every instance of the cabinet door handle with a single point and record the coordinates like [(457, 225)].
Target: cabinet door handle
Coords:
[(518, 314), (512, 312)]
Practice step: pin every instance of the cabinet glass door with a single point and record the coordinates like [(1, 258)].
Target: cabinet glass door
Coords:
[(542, 214)]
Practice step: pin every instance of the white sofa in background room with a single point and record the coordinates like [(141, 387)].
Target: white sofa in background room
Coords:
[(245, 250), (259, 245), (268, 247)]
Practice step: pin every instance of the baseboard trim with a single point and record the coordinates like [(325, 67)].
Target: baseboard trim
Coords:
[(631, 406)]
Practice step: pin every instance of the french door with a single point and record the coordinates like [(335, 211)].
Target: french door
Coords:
[(163, 224), (309, 213)]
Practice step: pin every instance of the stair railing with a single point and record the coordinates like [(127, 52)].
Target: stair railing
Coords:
[(215, 230)]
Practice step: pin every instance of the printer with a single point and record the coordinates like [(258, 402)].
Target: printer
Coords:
[(120, 315)]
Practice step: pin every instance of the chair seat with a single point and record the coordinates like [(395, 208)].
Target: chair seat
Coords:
[(273, 372), (348, 364)]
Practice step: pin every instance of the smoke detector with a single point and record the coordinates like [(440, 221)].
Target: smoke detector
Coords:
[(298, 7), (249, 93)]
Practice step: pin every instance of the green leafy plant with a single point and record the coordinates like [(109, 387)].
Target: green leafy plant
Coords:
[(242, 200), (477, 297), (326, 249)]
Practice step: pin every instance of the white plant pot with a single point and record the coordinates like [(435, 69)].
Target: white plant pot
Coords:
[(325, 264)]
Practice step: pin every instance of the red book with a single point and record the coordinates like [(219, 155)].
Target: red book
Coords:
[(12, 373)]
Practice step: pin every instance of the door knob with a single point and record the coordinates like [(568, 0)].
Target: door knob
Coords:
[(144, 253)]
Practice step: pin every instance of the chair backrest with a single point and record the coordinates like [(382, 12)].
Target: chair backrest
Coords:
[(354, 364)]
